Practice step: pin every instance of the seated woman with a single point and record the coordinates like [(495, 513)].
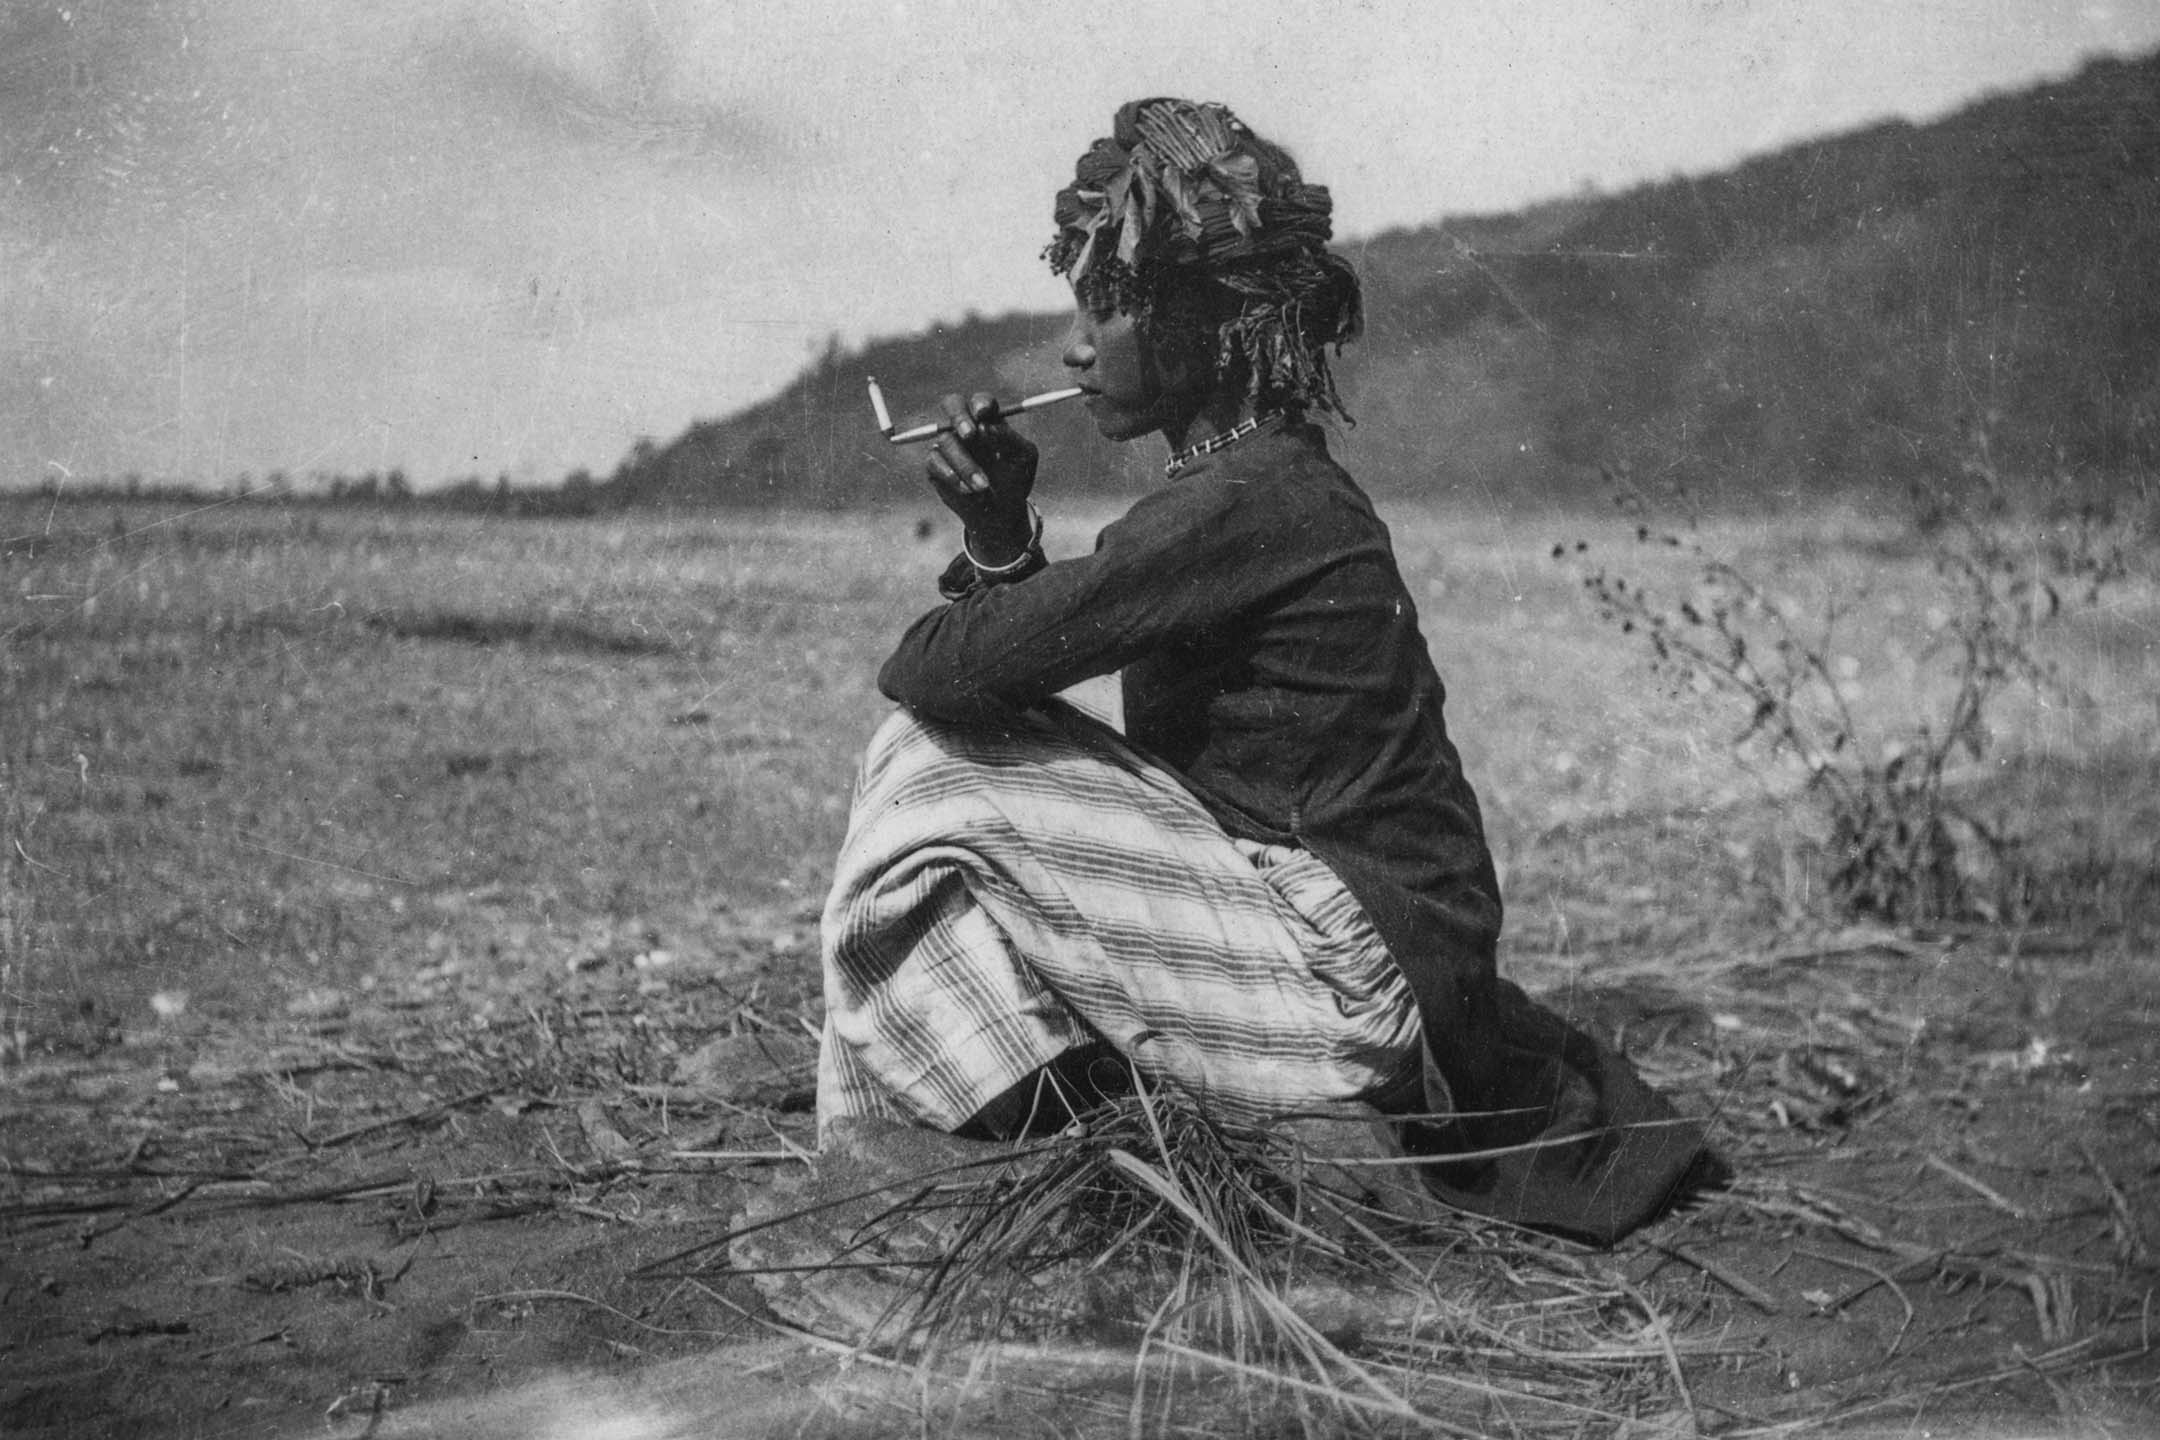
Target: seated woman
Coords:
[(1272, 892)]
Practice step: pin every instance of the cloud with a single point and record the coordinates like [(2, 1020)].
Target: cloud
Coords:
[(617, 92), (484, 234), (247, 234)]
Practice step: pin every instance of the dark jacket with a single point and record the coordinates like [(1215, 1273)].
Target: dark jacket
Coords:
[(1271, 656)]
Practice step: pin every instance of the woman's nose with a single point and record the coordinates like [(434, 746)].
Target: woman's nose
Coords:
[(1079, 351)]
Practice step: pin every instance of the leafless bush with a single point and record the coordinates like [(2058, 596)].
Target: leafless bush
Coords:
[(1903, 845)]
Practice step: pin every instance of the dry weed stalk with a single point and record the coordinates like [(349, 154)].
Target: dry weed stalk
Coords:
[(1902, 845), (1231, 1259), (18, 929)]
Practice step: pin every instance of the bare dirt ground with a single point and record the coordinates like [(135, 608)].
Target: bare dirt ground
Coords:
[(215, 1230), (1946, 1206), (290, 1150)]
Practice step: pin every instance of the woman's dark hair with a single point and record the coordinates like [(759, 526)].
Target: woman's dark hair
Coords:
[(1210, 239)]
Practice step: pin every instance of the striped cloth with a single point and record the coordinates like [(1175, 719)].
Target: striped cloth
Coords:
[(1005, 896)]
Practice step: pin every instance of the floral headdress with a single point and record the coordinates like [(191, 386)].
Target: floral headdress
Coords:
[(1186, 220)]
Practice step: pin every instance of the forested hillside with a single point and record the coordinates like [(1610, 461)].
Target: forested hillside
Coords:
[(1879, 309)]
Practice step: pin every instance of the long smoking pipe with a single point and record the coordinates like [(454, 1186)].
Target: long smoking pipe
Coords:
[(944, 427)]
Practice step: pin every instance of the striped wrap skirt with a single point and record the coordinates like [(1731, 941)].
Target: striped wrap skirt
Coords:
[(1005, 895)]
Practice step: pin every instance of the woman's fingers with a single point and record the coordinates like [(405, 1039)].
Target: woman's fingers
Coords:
[(973, 414), (979, 454), (953, 460), (951, 468), (959, 414)]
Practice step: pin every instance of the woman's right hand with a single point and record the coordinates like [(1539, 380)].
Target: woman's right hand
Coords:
[(984, 470)]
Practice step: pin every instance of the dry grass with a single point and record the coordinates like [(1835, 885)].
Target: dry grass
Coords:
[(292, 744), (1217, 1255), (468, 776)]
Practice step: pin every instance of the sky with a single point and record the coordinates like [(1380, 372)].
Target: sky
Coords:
[(484, 237)]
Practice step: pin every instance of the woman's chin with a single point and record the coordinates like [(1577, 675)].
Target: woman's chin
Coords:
[(1119, 425)]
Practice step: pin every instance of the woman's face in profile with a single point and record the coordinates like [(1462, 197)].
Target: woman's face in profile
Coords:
[(1131, 392)]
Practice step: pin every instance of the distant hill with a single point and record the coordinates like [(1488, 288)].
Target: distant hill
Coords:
[(1882, 308), (815, 443)]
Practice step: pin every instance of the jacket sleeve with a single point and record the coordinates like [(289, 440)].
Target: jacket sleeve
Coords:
[(1182, 560)]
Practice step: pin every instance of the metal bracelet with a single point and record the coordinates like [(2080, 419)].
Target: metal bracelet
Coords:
[(1018, 562)]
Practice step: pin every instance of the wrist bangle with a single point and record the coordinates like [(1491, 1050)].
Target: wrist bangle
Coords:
[(1018, 562)]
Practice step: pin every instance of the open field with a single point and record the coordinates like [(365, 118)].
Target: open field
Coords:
[(370, 879)]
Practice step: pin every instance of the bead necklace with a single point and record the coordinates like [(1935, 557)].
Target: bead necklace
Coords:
[(1213, 443)]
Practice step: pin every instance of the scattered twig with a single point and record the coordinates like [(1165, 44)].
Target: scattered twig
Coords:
[(1746, 1289), (2078, 1355), (353, 1274), (29, 860), (89, 1236), (571, 1297), (268, 1337), (1879, 1277), (2054, 1303), (1662, 1333), (2130, 1246), (652, 1268), (362, 1188), (1993, 1197), (1274, 1376), (2064, 1405), (426, 1112), (133, 1326), (374, 1395)]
